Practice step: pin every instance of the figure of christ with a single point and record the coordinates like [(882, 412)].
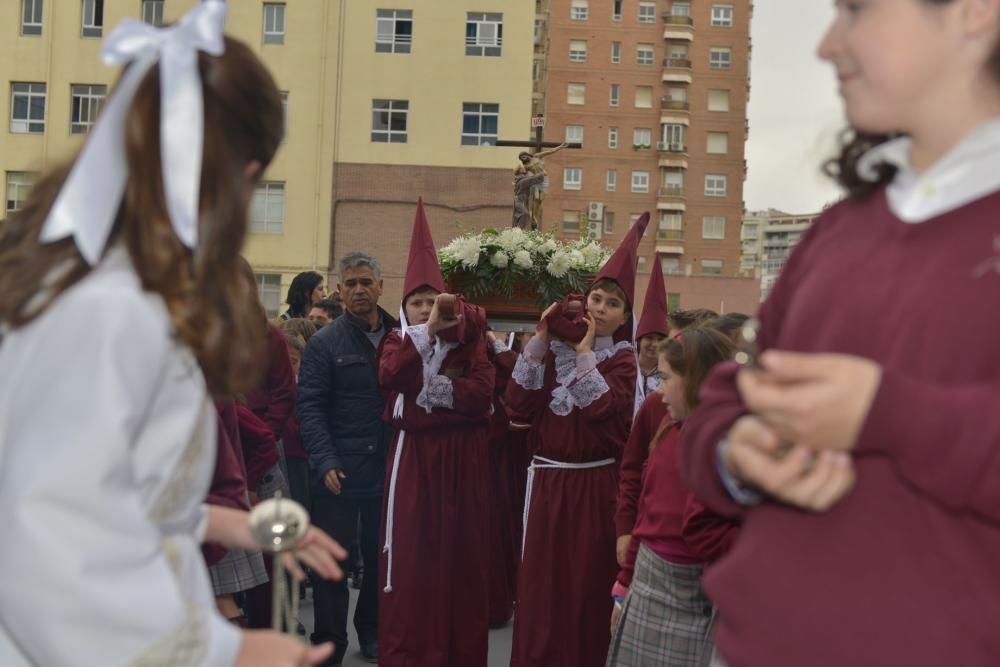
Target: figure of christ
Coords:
[(528, 176)]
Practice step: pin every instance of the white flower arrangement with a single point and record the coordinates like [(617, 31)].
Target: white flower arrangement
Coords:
[(493, 262)]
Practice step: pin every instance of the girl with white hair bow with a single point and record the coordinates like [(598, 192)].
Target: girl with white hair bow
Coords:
[(122, 309)]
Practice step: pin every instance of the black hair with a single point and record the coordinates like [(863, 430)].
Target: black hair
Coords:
[(300, 293)]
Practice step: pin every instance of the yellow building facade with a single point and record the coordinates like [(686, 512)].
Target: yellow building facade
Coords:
[(341, 181)]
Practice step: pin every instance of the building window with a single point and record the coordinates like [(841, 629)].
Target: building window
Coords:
[(574, 134), (480, 124), (673, 182), (717, 144), (612, 183), (718, 100), (614, 95), (87, 101), (483, 34), (389, 121), (722, 16), (152, 12), (577, 51), (644, 54), (27, 108), (274, 23), (640, 181), (616, 12), (571, 222), (713, 227), (674, 137), (609, 222), (393, 30), (642, 137), (720, 58), (31, 17), (643, 97), (580, 10), (93, 18), (616, 52), (576, 93), (267, 211), (670, 227), (671, 265), (612, 137), (715, 185), (680, 9), (643, 265), (572, 178), (18, 187), (647, 12), (269, 290), (711, 267)]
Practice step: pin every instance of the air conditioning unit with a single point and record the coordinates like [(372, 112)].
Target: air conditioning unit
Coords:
[(677, 148), (661, 146), (596, 229), (595, 211)]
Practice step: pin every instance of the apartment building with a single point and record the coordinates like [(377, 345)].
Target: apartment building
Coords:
[(768, 239)]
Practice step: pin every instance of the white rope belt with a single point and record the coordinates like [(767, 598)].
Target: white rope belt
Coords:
[(540, 462)]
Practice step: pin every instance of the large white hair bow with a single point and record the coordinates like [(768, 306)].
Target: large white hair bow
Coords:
[(89, 200)]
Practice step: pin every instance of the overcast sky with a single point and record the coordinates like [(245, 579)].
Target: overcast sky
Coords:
[(795, 112)]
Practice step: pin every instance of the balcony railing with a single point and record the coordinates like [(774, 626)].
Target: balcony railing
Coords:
[(674, 105), (677, 63), (670, 19), (671, 191), (669, 234), (670, 147)]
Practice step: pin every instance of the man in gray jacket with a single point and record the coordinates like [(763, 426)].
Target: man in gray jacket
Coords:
[(339, 408)]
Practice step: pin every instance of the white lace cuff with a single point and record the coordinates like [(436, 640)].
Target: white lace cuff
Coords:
[(421, 340), (528, 374), (438, 392), (499, 347), (588, 389)]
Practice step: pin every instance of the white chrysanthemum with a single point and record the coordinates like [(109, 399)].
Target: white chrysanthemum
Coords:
[(500, 260), (549, 246), (593, 253), (522, 258), (511, 239), (576, 259), (466, 251), (559, 265)]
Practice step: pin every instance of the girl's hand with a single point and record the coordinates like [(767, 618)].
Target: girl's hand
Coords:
[(317, 550), (621, 549), (587, 344), (816, 401), (756, 457), (267, 648)]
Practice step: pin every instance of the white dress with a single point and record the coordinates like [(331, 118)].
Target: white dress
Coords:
[(107, 449)]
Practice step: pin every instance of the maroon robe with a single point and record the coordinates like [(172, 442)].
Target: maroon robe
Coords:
[(569, 564), (436, 612), (229, 484), (647, 421)]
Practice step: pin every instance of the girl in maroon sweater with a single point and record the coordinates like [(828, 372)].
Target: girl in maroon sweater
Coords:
[(661, 614), (865, 453)]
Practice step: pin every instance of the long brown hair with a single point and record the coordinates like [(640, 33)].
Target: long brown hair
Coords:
[(854, 144), (209, 305), (692, 354)]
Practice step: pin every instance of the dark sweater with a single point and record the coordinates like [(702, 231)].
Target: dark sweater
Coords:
[(905, 570)]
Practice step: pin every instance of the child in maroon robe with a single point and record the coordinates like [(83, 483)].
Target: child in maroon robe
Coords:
[(579, 399), (439, 382)]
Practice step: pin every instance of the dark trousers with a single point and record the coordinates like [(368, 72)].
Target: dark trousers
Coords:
[(338, 516)]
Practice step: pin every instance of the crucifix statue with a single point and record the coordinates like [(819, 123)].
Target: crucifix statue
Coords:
[(530, 174)]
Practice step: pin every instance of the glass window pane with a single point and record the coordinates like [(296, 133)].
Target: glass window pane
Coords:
[(37, 108), (490, 124), (470, 124)]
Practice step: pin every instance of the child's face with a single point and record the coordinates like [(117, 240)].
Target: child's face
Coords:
[(607, 309), (672, 390), (897, 61), (419, 306), (647, 349)]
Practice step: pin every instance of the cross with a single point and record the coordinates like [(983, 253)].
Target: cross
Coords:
[(527, 194), (538, 122)]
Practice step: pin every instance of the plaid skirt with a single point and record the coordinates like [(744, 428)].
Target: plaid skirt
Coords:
[(238, 571), (665, 616)]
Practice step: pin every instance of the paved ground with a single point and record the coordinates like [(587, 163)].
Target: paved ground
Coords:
[(499, 639)]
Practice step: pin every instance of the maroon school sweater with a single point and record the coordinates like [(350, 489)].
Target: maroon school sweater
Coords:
[(905, 570)]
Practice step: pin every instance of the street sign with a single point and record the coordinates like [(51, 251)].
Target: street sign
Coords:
[(538, 121)]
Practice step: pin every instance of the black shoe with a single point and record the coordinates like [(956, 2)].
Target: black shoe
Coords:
[(369, 652)]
